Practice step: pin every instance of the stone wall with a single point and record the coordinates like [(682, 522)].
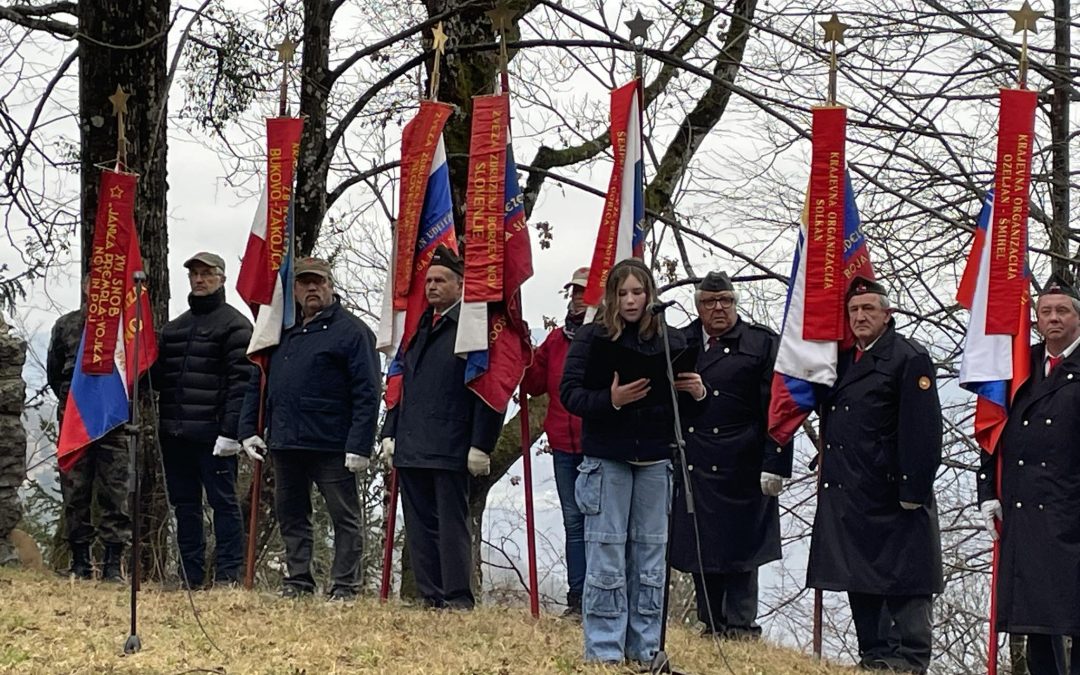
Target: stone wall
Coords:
[(12, 437)]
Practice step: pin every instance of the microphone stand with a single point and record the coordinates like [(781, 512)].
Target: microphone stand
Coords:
[(660, 662), (133, 644)]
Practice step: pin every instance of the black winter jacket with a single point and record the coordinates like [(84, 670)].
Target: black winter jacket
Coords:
[(640, 431), (323, 387), (438, 418), (202, 370)]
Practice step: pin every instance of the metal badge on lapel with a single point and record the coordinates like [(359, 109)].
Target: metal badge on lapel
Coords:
[(924, 383)]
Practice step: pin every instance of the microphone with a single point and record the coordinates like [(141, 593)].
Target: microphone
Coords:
[(659, 307)]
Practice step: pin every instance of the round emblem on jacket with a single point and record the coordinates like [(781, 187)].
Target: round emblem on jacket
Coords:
[(924, 383)]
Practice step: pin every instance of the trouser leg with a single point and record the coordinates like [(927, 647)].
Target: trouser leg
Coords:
[(455, 538), (912, 625), (647, 571), (292, 502), (871, 625), (603, 491), (709, 596), (338, 487), (566, 465), (1046, 655), (741, 604), (77, 488), (183, 483), (111, 484), (219, 481), (422, 532)]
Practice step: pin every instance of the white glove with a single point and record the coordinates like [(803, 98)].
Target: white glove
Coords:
[(479, 462), (252, 445), (771, 484), (386, 453), (990, 510), (909, 506), (356, 463), (225, 447)]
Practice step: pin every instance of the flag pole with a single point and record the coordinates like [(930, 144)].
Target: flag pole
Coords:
[(133, 644), (438, 45), (286, 50)]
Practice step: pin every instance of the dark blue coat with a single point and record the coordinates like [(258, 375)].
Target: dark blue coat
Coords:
[(727, 448), (323, 387), (1039, 565), (640, 431), (438, 418), (881, 431)]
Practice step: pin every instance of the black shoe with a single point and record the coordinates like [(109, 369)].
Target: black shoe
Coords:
[(81, 567), (294, 592), (110, 572), (573, 607), (342, 595)]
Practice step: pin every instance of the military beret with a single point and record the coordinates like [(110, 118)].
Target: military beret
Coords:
[(444, 257), (860, 285), (715, 282), (1056, 285)]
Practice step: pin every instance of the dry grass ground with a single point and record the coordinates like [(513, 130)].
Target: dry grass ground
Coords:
[(52, 625)]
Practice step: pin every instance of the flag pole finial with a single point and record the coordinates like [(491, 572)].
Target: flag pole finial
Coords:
[(639, 33), (1024, 20), (286, 50), (119, 110), (834, 34), (502, 19), (438, 43)]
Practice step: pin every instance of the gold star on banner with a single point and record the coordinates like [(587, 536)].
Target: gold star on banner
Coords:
[(1025, 18), (438, 38), (286, 50), (639, 27), (502, 17), (834, 29), (116, 192), (119, 101)]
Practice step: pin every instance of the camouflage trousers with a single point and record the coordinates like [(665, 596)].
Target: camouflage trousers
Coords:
[(102, 469)]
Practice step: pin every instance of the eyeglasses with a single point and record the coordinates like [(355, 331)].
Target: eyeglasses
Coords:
[(202, 274), (724, 302)]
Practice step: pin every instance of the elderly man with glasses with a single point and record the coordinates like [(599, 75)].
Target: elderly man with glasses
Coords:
[(735, 470)]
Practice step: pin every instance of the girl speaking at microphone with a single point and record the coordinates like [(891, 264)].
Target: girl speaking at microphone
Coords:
[(615, 380)]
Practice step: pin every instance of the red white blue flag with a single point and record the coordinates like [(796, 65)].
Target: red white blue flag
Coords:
[(622, 224), (99, 397), (491, 331), (806, 368), (425, 220), (992, 366), (265, 280)]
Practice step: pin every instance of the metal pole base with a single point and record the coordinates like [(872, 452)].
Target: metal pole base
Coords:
[(660, 663), (133, 644)]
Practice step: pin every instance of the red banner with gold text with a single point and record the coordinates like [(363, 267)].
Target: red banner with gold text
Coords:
[(485, 201), (1012, 180), (824, 312)]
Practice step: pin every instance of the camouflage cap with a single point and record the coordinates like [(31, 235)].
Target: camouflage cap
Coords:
[(207, 258), (314, 266)]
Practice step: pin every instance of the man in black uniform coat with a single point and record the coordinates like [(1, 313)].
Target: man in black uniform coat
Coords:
[(201, 376), (1039, 500), (437, 435), (736, 470), (876, 529)]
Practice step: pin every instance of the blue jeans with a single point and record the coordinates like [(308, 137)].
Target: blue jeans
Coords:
[(626, 523), (565, 465)]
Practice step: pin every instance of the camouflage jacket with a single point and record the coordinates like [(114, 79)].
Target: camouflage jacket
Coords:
[(63, 349)]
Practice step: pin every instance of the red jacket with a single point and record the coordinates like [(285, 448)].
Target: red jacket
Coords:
[(543, 377)]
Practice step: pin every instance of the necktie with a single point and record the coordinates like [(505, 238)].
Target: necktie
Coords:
[(435, 318), (713, 341), (1053, 361), (858, 354)]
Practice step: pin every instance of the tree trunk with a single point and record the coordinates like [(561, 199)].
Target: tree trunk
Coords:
[(125, 42), (1059, 140), (314, 161)]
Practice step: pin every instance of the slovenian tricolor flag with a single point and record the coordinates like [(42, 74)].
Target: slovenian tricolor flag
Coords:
[(622, 225), (806, 368), (425, 220), (265, 280), (105, 367)]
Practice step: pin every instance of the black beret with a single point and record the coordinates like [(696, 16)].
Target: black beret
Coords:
[(1056, 285), (444, 257), (715, 282), (860, 285)]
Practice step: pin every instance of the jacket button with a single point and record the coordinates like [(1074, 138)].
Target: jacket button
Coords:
[(1042, 464), (828, 446), (715, 430), (825, 485), (1041, 507), (1067, 377), (1020, 463), (832, 407), (324, 326), (982, 476), (904, 477), (727, 350), (1048, 421), (1025, 423), (716, 392), (1019, 505), (691, 429), (714, 467), (778, 449), (846, 408), (689, 467)]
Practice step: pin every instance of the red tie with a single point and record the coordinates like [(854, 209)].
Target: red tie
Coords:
[(1054, 360), (858, 354), (713, 341), (435, 318)]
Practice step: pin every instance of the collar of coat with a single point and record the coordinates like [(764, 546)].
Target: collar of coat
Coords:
[(450, 314), (204, 304), (327, 313), (695, 333)]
